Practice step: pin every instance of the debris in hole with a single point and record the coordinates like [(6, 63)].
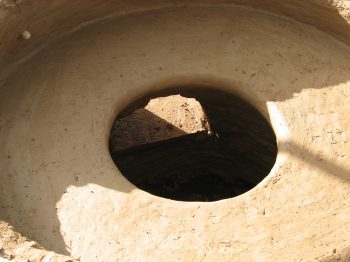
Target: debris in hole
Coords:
[(161, 119)]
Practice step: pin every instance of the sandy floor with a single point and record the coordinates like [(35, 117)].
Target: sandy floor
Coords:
[(60, 187)]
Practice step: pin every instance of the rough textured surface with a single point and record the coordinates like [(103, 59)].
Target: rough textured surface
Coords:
[(161, 119), (59, 185), (343, 255), (15, 247)]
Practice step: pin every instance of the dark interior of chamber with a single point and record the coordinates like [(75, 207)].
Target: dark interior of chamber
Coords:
[(237, 155)]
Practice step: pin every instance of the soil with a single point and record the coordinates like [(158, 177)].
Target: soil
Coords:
[(161, 119)]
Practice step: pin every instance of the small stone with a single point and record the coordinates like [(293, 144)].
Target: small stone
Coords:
[(26, 35)]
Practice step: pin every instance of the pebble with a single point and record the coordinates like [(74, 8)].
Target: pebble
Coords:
[(26, 35)]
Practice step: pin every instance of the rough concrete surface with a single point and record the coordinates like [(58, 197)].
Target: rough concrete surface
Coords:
[(13, 246), (59, 186)]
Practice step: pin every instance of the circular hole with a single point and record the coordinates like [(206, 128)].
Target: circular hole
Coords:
[(193, 144)]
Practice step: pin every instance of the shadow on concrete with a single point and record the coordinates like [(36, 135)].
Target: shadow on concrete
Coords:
[(316, 161)]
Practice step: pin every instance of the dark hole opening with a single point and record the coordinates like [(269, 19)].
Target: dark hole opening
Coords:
[(237, 155)]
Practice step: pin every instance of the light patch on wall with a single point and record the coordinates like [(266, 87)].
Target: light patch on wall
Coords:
[(278, 122)]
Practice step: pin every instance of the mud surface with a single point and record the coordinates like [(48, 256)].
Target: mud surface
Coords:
[(60, 187), (161, 119)]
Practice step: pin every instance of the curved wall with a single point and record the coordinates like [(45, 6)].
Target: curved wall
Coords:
[(48, 21), (59, 186)]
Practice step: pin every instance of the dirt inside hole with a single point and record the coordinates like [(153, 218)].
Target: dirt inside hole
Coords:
[(237, 153)]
